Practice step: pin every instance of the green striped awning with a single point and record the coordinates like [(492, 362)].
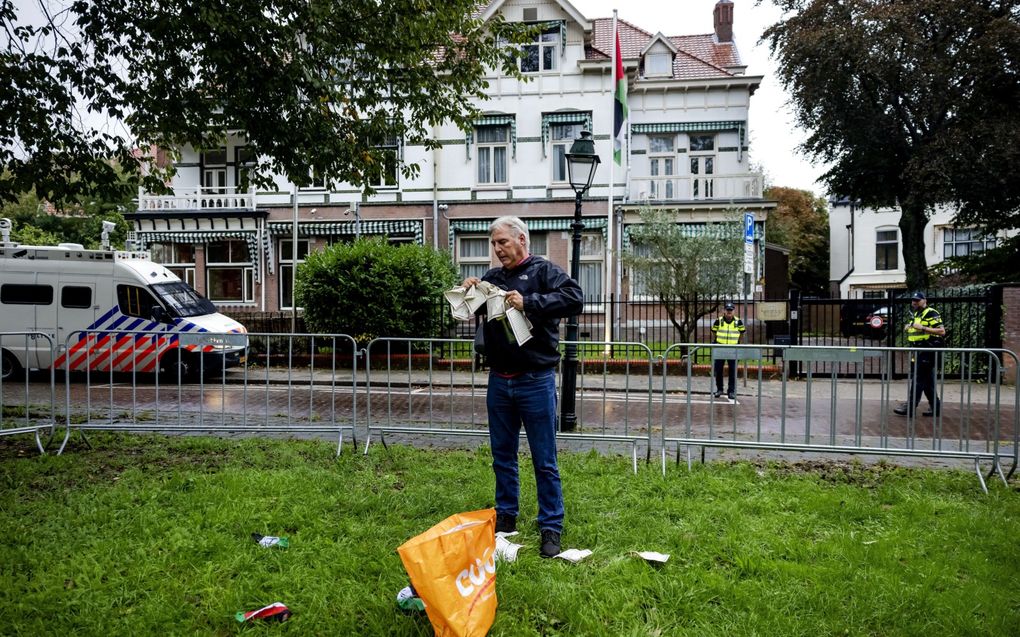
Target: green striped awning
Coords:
[(572, 117), (250, 238), (493, 119), (694, 127), (405, 227), (476, 226)]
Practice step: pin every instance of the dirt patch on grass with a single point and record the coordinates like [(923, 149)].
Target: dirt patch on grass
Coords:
[(833, 471)]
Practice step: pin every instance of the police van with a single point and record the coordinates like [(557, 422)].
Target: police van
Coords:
[(107, 310)]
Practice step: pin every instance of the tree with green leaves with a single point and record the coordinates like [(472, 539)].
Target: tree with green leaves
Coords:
[(82, 222), (912, 102), (800, 222), (689, 268), (315, 85), (370, 288)]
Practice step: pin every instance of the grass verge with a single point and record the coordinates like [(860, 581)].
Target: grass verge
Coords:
[(151, 535)]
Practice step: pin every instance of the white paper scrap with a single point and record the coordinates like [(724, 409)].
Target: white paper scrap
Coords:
[(506, 550), (574, 555), (652, 556)]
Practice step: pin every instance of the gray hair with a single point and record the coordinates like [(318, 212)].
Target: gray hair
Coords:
[(515, 224)]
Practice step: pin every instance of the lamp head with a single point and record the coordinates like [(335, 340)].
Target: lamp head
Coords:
[(582, 162)]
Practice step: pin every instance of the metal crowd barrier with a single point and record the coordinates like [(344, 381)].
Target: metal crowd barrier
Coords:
[(830, 412), (23, 407), (435, 387), (208, 382)]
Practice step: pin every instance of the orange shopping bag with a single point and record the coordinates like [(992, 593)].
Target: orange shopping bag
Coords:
[(453, 568)]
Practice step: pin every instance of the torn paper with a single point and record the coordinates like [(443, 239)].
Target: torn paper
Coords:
[(506, 551), (652, 556), (574, 555)]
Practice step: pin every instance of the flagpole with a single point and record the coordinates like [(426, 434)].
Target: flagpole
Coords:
[(610, 226)]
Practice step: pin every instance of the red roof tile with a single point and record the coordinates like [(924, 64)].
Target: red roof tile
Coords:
[(699, 56)]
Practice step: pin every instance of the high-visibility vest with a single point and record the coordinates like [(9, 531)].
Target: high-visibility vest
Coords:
[(727, 333), (927, 317)]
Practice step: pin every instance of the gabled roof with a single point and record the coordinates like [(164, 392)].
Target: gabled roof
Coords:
[(698, 56), (494, 6), (658, 37)]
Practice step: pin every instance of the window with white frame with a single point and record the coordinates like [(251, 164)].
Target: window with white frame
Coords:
[(591, 265), (493, 145), (316, 182), (661, 166), (385, 173), (229, 274), (541, 54), (658, 64), (887, 249), (287, 265), (214, 171), (639, 281), (179, 258), (473, 255), (563, 135), (702, 157), (960, 242)]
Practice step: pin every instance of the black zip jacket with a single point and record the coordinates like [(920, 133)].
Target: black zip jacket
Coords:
[(549, 295)]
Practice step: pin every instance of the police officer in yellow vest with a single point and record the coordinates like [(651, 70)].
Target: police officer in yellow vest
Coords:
[(925, 331), (727, 330)]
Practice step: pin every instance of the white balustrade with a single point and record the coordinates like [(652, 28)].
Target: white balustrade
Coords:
[(228, 198)]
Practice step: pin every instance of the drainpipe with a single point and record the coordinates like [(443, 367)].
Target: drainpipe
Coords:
[(850, 227)]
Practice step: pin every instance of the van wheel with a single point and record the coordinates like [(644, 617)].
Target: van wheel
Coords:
[(10, 368), (186, 368)]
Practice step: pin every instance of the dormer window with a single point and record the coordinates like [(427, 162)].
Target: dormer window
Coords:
[(659, 64), (541, 55)]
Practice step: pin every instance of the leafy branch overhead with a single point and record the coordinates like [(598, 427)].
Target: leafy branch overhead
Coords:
[(316, 85)]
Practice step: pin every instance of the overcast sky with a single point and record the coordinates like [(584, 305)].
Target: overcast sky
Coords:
[(774, 137)]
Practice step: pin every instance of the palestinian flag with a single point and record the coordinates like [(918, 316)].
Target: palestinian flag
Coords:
[(619, 101)]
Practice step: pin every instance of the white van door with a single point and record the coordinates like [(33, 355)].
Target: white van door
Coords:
[(77, 309)]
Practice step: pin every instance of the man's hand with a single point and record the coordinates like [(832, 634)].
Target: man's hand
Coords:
[(515, 300), (915, 326), (471, 281)]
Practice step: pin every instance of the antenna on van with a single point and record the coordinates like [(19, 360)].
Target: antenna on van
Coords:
[(5, 230), (105, 237)]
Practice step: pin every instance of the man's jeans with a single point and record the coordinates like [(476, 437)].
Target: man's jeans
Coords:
[(529, 398)]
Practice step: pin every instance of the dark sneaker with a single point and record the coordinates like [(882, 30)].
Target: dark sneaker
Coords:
[(505, 523), (900, 411), (933, 412), (718, 394), (732, 395), (550, 543)]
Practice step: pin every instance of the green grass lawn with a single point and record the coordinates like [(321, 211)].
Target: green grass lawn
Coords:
[(151, 535)]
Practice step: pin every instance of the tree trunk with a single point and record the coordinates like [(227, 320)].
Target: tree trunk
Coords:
[(912, 222)]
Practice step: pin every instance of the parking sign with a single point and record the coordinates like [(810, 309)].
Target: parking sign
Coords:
[(748, 227)]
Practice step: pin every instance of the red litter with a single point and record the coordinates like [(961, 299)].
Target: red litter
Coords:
[(275, 612)]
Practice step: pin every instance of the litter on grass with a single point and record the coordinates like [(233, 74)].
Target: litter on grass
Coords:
[(574, 555), (652, 556), (267, 541), (275, 612), (408, 600), (506, 551)]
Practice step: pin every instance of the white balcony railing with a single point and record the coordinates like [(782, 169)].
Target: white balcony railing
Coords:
[(696, 187), (199, 198)]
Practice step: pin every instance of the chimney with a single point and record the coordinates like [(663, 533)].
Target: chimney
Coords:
[(723, 20)]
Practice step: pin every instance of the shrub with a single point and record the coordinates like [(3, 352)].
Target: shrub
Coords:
[(369, 289)]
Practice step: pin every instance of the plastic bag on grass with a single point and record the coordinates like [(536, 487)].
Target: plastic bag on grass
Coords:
[(452, 568)]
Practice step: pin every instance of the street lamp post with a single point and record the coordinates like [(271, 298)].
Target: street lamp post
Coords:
[(581, 164)]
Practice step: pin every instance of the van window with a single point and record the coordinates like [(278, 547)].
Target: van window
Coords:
[(135, 301), (182, 300), (26, 294), (72, 296)]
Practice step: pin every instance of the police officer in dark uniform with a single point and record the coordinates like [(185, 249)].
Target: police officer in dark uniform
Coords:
[(924, 332)]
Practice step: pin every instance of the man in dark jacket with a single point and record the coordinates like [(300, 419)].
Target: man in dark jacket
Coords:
[(522, 378)]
